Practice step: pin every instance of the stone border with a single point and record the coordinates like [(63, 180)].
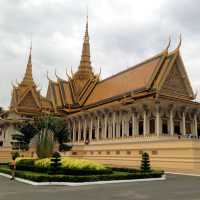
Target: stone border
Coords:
[(84, 183), (183, 174)]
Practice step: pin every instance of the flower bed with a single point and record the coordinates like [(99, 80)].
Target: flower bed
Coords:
[(74, 170), (69, 166), (115, 175)]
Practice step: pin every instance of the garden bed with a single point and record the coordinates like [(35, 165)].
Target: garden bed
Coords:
[(114, 175)]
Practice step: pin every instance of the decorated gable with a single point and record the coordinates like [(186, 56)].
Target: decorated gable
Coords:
[(28, 101), (175, 83)]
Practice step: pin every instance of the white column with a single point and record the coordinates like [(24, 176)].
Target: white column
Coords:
[(118, 125), (105, 125), (74, 133), (145, 122), (97, 129), (157, 120), (113, 125), (84, 130), (171, 122), (123, 124), (79, 130), (91, 127), (183, 124), (133, 123), (195, 125), (109, 128)]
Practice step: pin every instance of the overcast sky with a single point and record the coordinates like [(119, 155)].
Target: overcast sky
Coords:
[(122, 34)]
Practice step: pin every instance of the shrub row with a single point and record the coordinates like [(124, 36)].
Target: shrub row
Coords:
[(29, 164), (39, 177)]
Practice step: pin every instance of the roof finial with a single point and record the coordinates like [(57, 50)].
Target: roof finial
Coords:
[(68, 76), (58, 78), (30, 53), (180, 41), (28, 78), (169, 43), (48, 76), (72, 73)]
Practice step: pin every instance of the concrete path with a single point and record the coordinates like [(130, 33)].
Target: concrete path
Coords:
[(176, 187)]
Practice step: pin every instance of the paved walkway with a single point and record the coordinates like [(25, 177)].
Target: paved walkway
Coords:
[(176, 187)]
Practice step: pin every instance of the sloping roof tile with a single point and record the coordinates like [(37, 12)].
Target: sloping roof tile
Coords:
[(129, 80)]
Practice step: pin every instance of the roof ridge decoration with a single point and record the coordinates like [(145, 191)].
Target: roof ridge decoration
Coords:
[(85, 69), (28, 77), (168, 45)]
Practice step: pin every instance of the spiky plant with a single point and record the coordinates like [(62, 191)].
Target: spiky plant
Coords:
[(45, 143), (145, 163), (55, 163)]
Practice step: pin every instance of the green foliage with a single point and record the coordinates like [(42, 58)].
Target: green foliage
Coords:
[(14, 154), (58, 127), (145, 163), (39, 126), (27, 131), (25, 163), (55, 163), (45, 144), (64, 147), (116, 175), (68, 166)]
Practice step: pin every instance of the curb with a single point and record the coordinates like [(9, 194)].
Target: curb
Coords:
[(184, 174), (84, 183)]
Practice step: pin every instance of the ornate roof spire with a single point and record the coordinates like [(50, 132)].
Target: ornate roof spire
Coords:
[(28, 78), (85, 68)]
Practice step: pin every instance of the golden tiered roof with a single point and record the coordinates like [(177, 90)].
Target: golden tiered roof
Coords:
[(26, 98), (163, 75)]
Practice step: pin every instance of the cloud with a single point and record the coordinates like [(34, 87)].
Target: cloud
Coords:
[(122, 33)]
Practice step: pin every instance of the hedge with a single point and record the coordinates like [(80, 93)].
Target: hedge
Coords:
[(116, 175), (69, 166)]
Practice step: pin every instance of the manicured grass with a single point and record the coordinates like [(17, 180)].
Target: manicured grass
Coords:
[(115, 175)]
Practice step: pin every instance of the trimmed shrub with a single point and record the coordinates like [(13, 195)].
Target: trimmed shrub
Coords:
[(25, 164), (55, 163), (145, 163), (39, 177), (69, 166)]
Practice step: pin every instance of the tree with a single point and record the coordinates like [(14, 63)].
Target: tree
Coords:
[(55, 162), (27, 130), (145, 163), (48, 129), (59, 128)]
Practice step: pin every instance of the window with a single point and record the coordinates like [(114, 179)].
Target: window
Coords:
[(118, 152), (154, 152), (152, 125), (128, 152)]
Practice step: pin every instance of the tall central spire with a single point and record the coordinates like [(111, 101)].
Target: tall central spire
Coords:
[(28, 78), (85, 68)]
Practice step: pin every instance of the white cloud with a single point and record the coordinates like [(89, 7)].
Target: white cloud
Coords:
[(122, 33)]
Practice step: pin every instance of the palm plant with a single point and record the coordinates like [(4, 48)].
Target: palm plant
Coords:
[(45, 143), (48, 130)]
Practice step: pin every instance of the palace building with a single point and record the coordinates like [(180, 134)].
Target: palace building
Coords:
[(148, 107)]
